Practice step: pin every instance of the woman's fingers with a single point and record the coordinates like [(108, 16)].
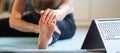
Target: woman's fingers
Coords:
[(41, 13), (54, 20), (45, 14), (49, 17)]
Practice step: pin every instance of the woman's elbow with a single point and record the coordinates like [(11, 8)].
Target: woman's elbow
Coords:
[(12, 22)]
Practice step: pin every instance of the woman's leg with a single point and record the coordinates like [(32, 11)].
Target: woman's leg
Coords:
[(67, 28), (6, 31), (4, 27)]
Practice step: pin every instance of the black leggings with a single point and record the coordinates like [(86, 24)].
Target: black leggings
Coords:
[(67, 28)]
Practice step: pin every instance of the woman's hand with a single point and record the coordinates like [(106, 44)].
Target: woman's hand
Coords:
[(48, 16)]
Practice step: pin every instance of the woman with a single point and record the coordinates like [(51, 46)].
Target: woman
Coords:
[(51, 19)]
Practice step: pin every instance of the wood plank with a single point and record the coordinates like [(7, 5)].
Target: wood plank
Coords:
[(2, 2)]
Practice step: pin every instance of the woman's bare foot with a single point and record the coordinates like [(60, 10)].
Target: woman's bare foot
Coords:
[(46, 32)]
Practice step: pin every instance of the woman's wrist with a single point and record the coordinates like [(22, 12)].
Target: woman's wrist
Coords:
[(60, 13)]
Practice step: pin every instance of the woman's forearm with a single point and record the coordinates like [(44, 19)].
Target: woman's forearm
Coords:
[(16, 21), (23, 26)]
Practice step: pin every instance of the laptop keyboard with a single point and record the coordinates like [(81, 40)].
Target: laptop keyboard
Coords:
[(110, 30)]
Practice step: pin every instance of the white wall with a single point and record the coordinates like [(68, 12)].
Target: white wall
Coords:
[(81, 8), (105, 8), (82, 12), (85, 10)]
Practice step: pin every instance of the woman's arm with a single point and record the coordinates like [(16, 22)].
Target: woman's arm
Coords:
[(64, 9), (15, 19)]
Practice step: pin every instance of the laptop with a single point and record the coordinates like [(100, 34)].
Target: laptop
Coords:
[(103, 34)]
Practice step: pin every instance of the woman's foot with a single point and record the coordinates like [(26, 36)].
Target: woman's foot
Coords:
[(46, 32)]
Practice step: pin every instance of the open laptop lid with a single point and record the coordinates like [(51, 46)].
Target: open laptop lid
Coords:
[(93, 39), (109, 30)]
